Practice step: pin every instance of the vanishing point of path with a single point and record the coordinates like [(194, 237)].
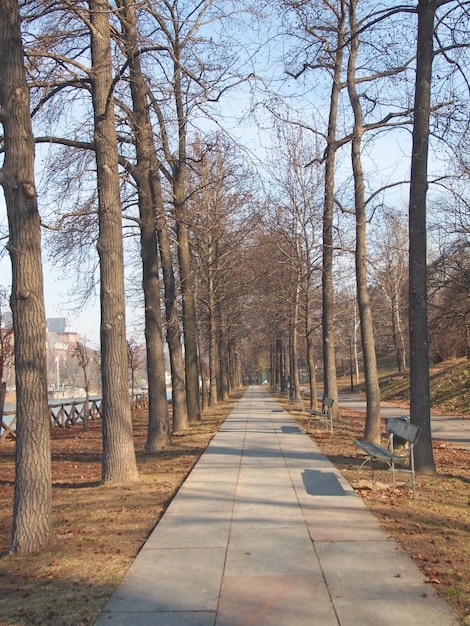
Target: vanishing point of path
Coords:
[(266, 532)]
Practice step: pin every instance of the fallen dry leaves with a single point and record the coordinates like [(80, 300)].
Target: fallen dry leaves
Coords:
[(98, 529)]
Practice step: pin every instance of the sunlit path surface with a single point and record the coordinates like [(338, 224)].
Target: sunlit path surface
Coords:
[(266, 532)]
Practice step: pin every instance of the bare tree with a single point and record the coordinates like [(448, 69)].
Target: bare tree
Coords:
[(81, 353), (299, 192), (220, 225), (135, 361), (390, 278), (330, 388), (197, 68), (92, 25), (372, 427), (119, 463), (144, 172), (433, 25), (420, 406), (324, 27), (449, 305), (32, 515)]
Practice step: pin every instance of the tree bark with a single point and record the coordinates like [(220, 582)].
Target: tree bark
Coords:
[(184, 252), (119, 463), (372, 427), (294, 390), (330, 387), (398, 338), (178, 384), (189, 314), (224, 390), (420, 410), (32, 514), (309, 334), (204, 375), (214, 365), (158, 433)]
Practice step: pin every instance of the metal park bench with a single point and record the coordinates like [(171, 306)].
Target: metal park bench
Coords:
[(407, 435), (326, 414)]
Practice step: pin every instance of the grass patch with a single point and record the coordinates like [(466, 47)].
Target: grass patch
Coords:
[(449, 387)]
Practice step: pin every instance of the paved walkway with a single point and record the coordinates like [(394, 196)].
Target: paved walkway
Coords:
[(454, 430), (266, 532)]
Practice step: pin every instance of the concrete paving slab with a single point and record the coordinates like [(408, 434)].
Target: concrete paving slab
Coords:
[(273, 493), (343, 524), (210, 489), (275, 473), (199, 497), (204, 474), (198, 529), (265, 531), (261, 551), (171, 580), (192, 618), (252, 514), (275, 601), (375, 582)]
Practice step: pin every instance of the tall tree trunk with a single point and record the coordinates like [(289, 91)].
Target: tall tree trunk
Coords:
[(178, 384), (189, 312), (294, 352), (372, 427), (330, 387), (184, 252), (282, 365), (204, 377), (119, 463), (272, 365), (467, 335), (420, 408), (234, 368), (32, 514), (158, 433), (214, 365), (214, 368), (223, 359), (309, 333), (398, 339), (3, 393), (178, 395)]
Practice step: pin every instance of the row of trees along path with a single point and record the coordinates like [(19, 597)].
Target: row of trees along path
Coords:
[(136, 78)]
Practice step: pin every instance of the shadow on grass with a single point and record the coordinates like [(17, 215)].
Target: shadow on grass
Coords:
[(73, 485)]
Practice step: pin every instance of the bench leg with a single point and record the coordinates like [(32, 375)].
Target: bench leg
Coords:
[(361, 465)]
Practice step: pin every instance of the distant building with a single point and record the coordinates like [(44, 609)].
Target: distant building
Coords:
[(6, 320), (61, 341), (59, 325), (60, 336)]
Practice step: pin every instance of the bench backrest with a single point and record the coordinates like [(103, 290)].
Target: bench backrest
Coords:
[(403, 429)]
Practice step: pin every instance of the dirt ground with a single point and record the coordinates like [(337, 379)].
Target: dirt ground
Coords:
[(99, 529)]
